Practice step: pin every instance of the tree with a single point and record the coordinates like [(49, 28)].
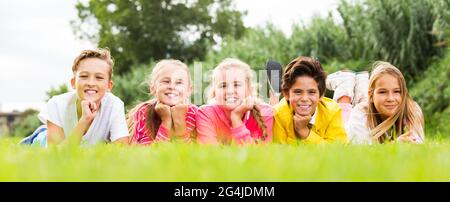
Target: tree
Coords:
[(138, 31)]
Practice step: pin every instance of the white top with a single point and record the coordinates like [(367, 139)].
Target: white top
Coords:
[(108, 125), (357, 129)]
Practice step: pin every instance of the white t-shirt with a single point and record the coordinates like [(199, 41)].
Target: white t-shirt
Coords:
[(358, 131), (108, 125)]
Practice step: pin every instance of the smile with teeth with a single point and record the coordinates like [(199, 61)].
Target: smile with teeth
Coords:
[(171, 95), (231, 99), (90, 91), (304, 107)]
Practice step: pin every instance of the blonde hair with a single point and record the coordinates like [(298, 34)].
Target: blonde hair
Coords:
[(153, 121), (166, 63), (408, 116), (100, 53), (233, 63)]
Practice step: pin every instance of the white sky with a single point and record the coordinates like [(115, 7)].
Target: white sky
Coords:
[(37, 45)]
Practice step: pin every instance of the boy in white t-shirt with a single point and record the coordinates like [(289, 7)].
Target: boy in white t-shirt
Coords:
[(88, 115)]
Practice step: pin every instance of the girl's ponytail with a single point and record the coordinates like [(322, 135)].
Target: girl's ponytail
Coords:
[(259, 119)]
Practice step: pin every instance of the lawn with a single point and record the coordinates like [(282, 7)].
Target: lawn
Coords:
[(180, 162)]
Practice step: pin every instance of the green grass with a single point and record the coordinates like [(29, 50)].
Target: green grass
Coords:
[(180, 162)]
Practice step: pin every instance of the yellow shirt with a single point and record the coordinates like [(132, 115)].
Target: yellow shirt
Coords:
[(328, 125)]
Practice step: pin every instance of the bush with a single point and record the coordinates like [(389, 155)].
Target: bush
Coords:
[(28, 125), (432, 93)]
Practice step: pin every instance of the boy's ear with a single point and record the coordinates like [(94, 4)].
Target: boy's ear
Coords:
[(286, 95), (110, 85), (72, 82)]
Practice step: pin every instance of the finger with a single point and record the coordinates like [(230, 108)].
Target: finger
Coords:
[(94, 106)]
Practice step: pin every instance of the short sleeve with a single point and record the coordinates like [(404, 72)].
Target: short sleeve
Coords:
[(119, 126), (51, 113)]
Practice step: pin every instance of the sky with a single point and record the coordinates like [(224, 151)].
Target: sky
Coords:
[(37, 44)]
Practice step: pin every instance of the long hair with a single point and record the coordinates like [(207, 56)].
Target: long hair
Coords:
[(233, 63), (152, 120), (408, 116)]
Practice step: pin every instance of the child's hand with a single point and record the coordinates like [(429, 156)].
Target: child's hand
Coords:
[(407, 137), (88, 110), (163, 112), (237, 113), (301, 125), (246, 105), (179, 113)]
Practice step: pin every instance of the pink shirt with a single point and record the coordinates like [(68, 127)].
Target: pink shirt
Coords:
[(213, 126), (141, 134)]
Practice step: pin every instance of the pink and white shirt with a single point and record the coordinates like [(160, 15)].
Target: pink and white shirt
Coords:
[(142, 134)]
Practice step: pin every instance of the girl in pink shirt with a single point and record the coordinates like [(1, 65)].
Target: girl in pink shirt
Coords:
[(234, 114), (168, 116)]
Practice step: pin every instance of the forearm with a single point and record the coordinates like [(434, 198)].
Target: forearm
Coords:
[(180, 129), (78, 132)]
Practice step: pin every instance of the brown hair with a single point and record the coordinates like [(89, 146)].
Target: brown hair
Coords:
[(100, 53), (409, 116), (229, 63), (303, 66)]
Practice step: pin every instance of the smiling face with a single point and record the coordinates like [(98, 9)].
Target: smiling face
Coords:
[(386, 95), (172, 85), (303, 96), (91, 80), (230, 87)]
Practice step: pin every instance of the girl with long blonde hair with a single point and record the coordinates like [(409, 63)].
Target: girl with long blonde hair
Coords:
[(168, 116), (234, 114), (390, 114)]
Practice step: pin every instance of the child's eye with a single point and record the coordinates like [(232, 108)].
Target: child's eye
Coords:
[(312, 92), (397, 91), (99, 78), (237, 85), (83, 76), (165, 81), (179, 82), (222, 85)]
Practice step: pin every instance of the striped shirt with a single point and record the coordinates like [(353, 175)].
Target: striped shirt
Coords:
[(142, 134)]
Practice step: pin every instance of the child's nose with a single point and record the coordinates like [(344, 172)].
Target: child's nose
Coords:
[(91, 81), (171, 85)]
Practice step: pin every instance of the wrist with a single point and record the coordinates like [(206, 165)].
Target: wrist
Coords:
[(166, 123), (86, 120), (235, 120), (302, 132)]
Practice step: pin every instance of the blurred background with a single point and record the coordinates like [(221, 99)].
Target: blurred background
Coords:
[(40, 39)]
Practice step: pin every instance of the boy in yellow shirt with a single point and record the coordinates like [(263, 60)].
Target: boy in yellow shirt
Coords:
[(304, 113)]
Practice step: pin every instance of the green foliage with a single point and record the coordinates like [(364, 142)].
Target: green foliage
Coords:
[(255, 47), (432, 93), (28, 125), (402, 32), (322, 39), (133, 87), (201, 163), (137, 31), (56, 91)]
